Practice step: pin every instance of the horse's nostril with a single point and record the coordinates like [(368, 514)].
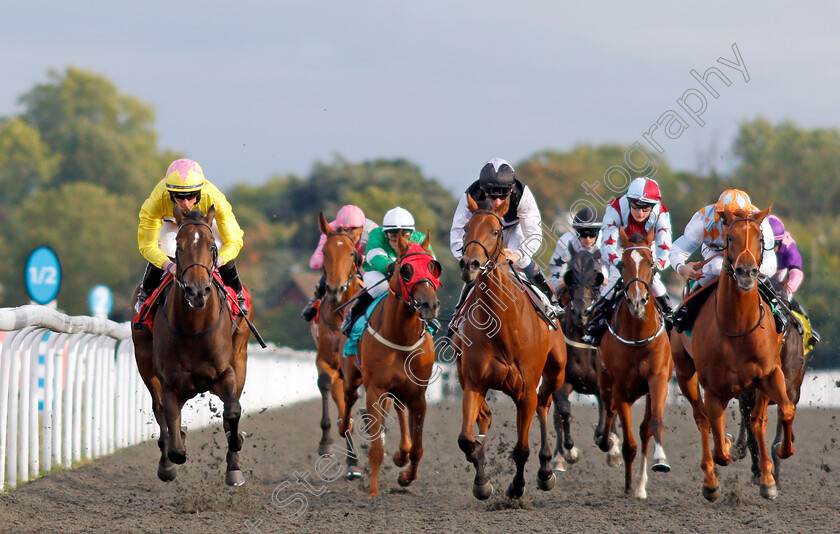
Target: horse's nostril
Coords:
[(474, 265), (461, 264)]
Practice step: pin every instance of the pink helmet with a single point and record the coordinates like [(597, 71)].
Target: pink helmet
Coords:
[(350, 216), (645, 190)]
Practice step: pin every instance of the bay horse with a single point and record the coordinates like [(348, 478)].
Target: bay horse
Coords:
[(396, 354), (734, 347), (793, 366), (343, 281), (504, 345), (194, 346), (635, 358), (583, 280)]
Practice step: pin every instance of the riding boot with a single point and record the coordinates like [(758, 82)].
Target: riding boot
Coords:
[(797, 307), (357, 310), (542, 284), (151, 280), (310, 311), (663, 302), (230, 277), (769, 294), (465, 290), (600, 321)]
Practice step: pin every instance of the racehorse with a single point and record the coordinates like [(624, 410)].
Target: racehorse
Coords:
[(635, 355), (793, 366), (341, 269), (195, 346), (396, 353), (504, 344), (734, 347), (583, 280)]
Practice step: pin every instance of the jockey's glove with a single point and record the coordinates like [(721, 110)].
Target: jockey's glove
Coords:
[(389, 271)]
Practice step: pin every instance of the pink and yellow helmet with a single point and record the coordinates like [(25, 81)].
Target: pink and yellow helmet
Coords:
[(184, 176), (350, 216)]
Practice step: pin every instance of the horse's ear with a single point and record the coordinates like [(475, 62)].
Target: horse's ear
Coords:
[(472, 205), (761, 215), (323, 224), (622, 236), (211, 214), (503, 207), (727, 215), (402, 244), (425, 243), (178, 213)]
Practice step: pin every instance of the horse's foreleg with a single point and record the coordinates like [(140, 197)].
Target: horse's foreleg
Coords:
[(758, 422), (545, 475), (629, 446), (415, 425), (745, 402), (167, 471), (525, 409), (657, 399), (473, 449), (177, 451), (375, 429), (350, 393), (227, 389), (603, 433), (714, 411), (401, 456), (485, 417), (325, 386), (774, 387)]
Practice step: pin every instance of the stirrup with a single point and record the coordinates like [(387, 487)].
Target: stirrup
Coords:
[(141, 299), (347, 324), (240, 300)]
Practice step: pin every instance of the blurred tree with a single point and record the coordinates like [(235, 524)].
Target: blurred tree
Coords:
[(25, 163), (95, 238), (103, 137)]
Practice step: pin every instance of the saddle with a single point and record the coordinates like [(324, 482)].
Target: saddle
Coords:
[(146, 315)]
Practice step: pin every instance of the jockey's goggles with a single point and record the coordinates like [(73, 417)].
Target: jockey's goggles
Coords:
[(643, 206), (348, 228), (497, 192), (186, 195), (588, 232), (394, 232)]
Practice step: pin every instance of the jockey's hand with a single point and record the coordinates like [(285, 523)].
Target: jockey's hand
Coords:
[(511, 256), (169, 267), (690, 272), (390, 269), (219, 262)]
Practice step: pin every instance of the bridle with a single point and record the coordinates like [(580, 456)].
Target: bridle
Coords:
[(179, 271), (730, 267), (646, 284), (354, 271), (406, 291), (491, 258)]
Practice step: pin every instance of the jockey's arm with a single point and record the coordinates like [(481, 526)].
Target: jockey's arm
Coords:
[(148, 231), (609, 236), (685, 246), (558, 264), (459, 222), (530, 223), (662, 242), (768, 262), (376, 255), (229, 230)]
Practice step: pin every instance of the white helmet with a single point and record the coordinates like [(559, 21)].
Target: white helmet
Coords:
[(397, 219)]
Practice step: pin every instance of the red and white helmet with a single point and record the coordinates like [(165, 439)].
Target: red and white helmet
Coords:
[(350, 216), (645, 190)]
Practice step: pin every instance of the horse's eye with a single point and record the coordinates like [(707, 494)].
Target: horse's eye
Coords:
[(495, 232)]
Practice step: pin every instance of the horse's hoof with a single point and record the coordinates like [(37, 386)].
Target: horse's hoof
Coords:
[(546, 485), (352, 473), (614, 460), (481, 438), (167, 473), (483, 492), (559, 464), (660, 466), (400, 459), (712, 494), (404, 481), (769, 491), (234, 478), (177, 457), (324, 448), (739, 451), (777, 450), (514, 493), (572, 455)]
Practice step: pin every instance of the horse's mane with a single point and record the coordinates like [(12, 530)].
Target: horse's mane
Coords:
[(195, 215), (583, 266), (636, 238), (484, 204)]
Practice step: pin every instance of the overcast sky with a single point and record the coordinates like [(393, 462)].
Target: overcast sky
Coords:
[(249, 88)]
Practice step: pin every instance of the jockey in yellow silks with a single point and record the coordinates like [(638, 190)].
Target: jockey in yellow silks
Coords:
[(184, 185)]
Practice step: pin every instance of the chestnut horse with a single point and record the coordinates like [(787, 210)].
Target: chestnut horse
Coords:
[(341, 269), (195, 346), (583, 280), (396, 353), (793, 366), (504, 345), (635, 355), (735, 348)]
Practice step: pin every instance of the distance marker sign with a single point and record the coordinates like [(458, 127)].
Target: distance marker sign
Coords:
[(43, 275)]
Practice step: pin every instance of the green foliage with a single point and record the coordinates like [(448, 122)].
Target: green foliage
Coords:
[(25, 163)]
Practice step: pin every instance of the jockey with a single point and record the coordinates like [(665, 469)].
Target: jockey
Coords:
[(381, 260), (522, 231), (351, 220), (184, 185), (585, 235), (639, 211), (788, 266), (707, 228)]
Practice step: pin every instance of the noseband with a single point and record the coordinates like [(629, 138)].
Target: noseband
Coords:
[(491, 258), (179, 272), (729, 265)]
